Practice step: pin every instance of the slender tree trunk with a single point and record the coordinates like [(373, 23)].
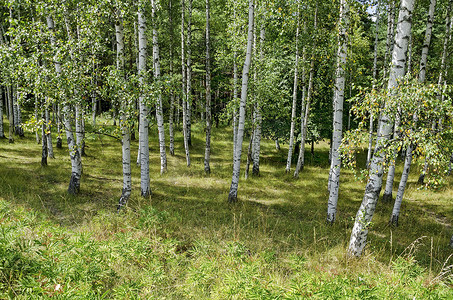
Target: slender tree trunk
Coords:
[(59, 140), (387, 197), (338, 100), (235, 98), (44, 141), (293, 110), (78, 126), (93, 98), (10, 114), (304, 120), (49, 133), (125, 129), (402, 184), (38, 139), (207, 153), (159, 110), (249, 156), (232, 196), (258, 119), (17, 114), (143, 127), (421, 78), (172, 93), (185, 128), (2, 135), (277, 144), (390, 33), (376, 41), (365, 213), (189, 75)]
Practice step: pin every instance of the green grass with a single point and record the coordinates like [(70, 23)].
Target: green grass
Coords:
[(186, 241)]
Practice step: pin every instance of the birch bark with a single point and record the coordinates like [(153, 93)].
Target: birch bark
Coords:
[(293, 109), (232, 196), (143, 126), (184, 83), (124, 106), (38, 139), (189, 75), (76, 160), (172, 94), (2, 135), (44, 141), (338, 100), (207, 153), (49, 133), (159, 110), (365, 213), (10, 114), (258, 119), (422, 75), (304, 121), (376, 41)]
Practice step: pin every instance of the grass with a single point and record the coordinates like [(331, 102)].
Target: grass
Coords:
[(186, 241)]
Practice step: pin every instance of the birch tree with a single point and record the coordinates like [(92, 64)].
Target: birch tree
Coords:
[(207, 155), (232, 196), (293, 109), (334, 177), (76, 160), (365, 213), (159, 110), (422, 75), (124, 106), (189, 75), (143, 126), (184, 83), (2, 135), (257, 118), (172, 93), (376, 41), (307, 101)]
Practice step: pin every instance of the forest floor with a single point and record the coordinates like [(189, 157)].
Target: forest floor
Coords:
[(186, 241)]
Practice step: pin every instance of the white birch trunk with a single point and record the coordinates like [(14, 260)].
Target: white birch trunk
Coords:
[(423, 61), (232, 196), (143, 127), (124, 106), (390, 33), (306, 111), (38, 139), (335, 167), (172, 93), (402, 184), (78, 127), (2, 135), (184, 83), (17, 113), (365, 213), (376, 41), (189, 76), (49, 133), (159, 110), (44, 141), (207, 153), (427, 41), (293, 109), (76, 160), (59, 120), (10, 114), (256, 149), (235, 97)]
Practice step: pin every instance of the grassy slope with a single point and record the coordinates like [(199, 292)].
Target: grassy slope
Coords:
[(186, 241)]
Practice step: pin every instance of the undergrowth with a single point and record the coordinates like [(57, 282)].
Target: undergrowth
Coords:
[(187, 242)]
